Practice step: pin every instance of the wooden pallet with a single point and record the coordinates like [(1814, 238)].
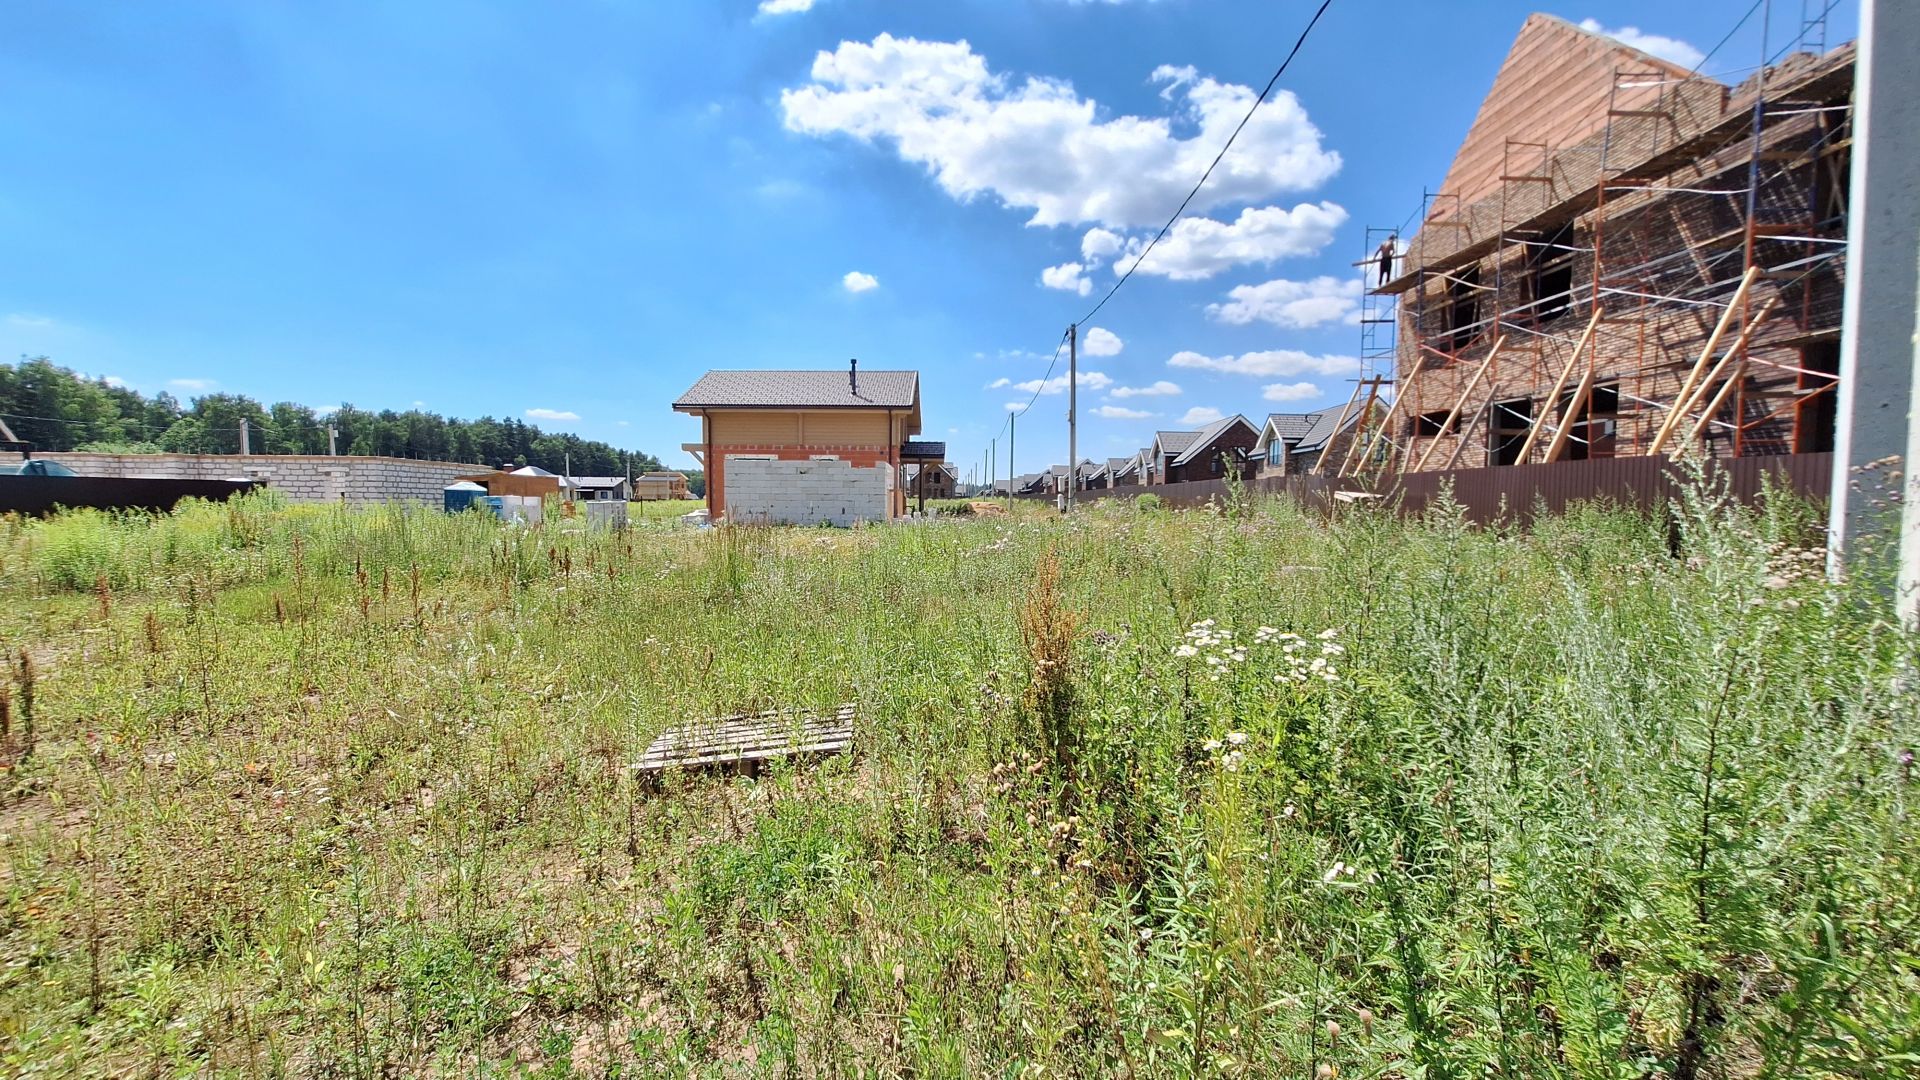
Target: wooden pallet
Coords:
[(748, 739)]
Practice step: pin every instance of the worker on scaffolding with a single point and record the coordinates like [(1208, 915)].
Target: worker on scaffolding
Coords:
[(1389, 250)]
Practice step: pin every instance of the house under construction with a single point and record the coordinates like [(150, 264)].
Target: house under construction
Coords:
[(1625, 258)]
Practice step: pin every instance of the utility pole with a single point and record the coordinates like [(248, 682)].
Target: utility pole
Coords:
[(1011, 417), (333, 435), (245, 446), (1879, 364), (1073, 412)]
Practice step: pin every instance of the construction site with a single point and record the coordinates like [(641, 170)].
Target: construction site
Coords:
[(1626, 258)]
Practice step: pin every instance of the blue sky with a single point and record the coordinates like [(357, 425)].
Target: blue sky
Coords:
[(567, 211)]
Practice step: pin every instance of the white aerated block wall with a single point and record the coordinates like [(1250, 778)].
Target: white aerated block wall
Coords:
[(826, 491)]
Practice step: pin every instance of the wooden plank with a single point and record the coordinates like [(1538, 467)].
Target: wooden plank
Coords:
[(1569, 416), (1320, 463), (749, 737), (1401, 392), (747, 733), (1547, 403), (1453, 417), (1680, 409), (1484, 411), (1685, 396)]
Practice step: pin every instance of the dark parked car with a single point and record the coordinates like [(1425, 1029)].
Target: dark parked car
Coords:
[(35, 468)]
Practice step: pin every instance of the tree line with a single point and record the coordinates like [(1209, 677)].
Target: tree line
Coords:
[(55, 408)]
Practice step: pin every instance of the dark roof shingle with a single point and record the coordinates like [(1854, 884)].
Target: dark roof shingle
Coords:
[(1173, 442), (1209, 435), (802, 390)]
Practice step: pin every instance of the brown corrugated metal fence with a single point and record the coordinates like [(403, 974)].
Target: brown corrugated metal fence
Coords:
[(1515, 491)]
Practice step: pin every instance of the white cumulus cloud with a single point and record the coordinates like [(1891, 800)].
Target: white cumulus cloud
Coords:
[(551, 414), (1292, 304), (1067, 277), (1299, 391), (1089, 380), (1672, 50), (1201, 415), (1035, 144), (1161, 388), (1100, 341), (1120, 412), (857, 282), (192, 384), (1198, 248), (1000, 382), (785, 7), (1100, 244), (1273, 363)]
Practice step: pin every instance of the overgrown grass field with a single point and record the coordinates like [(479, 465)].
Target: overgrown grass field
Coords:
[(305, 791)]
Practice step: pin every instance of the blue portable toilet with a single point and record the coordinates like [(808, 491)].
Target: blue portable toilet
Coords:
[(495, 503), (458, 497)]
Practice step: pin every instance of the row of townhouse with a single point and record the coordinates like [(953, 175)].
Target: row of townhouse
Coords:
[(1282, 444)]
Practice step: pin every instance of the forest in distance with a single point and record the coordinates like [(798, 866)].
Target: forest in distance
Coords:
[(55, 409)]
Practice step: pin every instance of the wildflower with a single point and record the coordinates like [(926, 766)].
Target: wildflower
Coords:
[(1328, 634), (1332, 872), (1333, 1030), (1237, 738), (1185, 650), (1233, 761), (1211, 746), (1288, 810)]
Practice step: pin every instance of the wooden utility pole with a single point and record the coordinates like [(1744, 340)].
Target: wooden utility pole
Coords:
[(1011, 417), (1073, 411)]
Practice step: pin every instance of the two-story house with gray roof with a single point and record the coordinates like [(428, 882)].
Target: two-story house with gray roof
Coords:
[(807, 447)]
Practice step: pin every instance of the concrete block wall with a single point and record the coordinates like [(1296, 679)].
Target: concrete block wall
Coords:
[(816, 491), (356, 480), (718, 495)]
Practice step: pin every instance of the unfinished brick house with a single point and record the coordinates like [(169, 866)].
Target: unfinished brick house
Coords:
[(807, 447), (1625, 258)]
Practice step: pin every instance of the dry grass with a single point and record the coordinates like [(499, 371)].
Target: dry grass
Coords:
[(303, 791)]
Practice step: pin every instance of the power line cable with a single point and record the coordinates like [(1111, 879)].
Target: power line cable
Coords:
[(1729, 37), (1022, 410), (1157, 237)]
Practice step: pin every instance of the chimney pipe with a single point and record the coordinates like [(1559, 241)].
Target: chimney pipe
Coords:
[(853, 376)]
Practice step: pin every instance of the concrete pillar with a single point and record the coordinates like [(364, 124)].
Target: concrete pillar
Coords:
[(1875, 437)]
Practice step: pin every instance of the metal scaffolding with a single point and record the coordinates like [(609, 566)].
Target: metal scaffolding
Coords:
[(1660, 347)]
